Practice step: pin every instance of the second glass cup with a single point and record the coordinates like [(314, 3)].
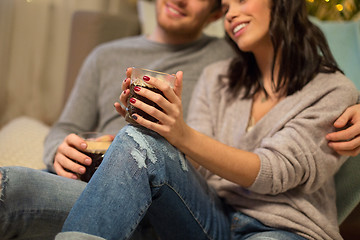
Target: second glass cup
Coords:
[(97, 144), (137, 80)]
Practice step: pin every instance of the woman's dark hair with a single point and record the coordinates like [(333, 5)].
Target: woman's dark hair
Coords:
[(304, 52)]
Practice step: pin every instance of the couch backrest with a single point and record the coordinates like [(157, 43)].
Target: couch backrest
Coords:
[(344, 41)]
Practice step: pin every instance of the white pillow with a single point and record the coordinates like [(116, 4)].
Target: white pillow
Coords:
[(21, 143)]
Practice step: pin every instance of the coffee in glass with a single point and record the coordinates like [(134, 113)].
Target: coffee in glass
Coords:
[(137, 75), (97, 144)]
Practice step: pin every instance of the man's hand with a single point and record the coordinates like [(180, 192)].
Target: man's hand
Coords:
[(68, 157), (347, 141)]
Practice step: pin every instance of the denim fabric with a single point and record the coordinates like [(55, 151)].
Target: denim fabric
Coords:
[(34, 204), (77, 236), (245, 227), (142, 173)]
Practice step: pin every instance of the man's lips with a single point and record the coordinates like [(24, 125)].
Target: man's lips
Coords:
[(174, 10)]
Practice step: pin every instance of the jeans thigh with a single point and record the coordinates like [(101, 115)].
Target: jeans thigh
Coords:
[(183, 205), (245, 227), (34, 203), (142, 174)]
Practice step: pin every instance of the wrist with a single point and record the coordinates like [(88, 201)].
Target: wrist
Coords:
[(188, 144)]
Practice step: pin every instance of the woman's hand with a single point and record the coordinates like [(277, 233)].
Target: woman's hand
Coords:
[(347, 141), (171, 124), (121, 106)]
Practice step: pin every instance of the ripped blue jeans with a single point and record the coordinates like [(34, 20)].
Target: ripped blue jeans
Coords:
[(34, 204), (143, 174)]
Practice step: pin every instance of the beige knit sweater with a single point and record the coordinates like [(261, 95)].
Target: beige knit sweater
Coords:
[(294, 189)]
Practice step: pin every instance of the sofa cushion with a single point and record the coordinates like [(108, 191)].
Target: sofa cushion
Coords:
[(21, 143)]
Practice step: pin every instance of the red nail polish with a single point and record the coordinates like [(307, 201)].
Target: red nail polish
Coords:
[(146, 78), (124, 92), (132, 100), (137, 89)]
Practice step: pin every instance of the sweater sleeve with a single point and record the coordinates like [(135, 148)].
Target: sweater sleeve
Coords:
[(199, 114), (80, 112), (298, 154)]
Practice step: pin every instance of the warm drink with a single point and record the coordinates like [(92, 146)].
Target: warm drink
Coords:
[(131, 109), (97, 157), (97, 144), (137, 80)]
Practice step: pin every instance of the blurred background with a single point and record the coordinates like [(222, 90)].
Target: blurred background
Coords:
[(34, 47), (340, 10), (34, 43)]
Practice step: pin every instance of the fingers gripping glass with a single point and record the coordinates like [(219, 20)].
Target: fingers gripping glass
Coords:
[(137, 76)]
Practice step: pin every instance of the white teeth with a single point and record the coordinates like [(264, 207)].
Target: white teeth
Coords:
[(173, 10), (239, 27)]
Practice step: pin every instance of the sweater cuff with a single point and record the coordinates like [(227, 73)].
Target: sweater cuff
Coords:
[(264, 179)]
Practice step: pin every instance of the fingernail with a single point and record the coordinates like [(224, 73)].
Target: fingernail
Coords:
[(125, 79), (124, 92), (134, 117), (137, 89), (146, 78), (83, 145), (132, 100), (82, 170), (88, 161)]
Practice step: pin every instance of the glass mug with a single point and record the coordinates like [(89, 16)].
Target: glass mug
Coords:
[(137, 75), (97, 144)]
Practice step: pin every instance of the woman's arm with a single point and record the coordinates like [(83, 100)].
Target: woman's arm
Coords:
[(233, 164), (296, 154)]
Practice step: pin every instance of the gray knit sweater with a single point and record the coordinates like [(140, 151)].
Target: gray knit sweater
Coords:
[(294, 189), (98, 86)]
